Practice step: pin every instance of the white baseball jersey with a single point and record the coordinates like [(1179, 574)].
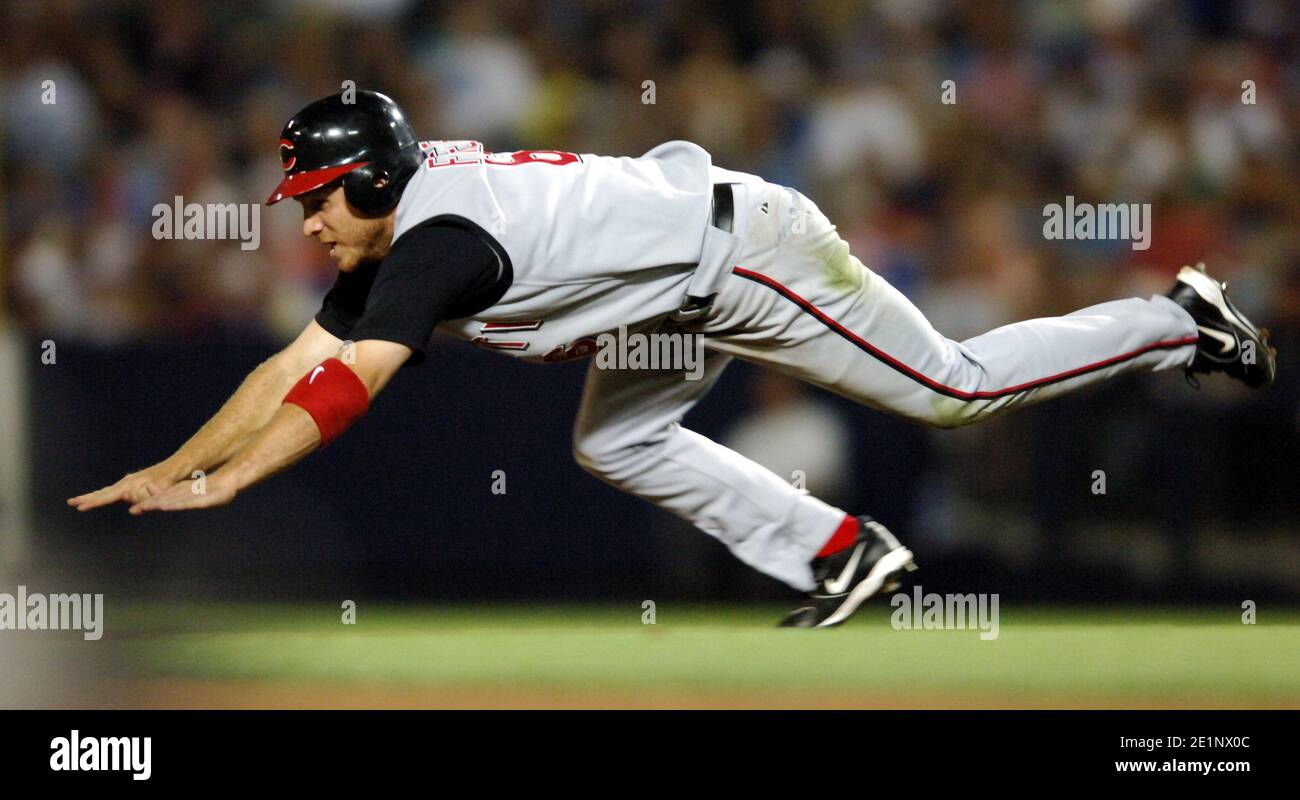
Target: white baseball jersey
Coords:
[(594, 242)]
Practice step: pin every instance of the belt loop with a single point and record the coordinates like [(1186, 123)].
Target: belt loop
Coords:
[(724, 206), (694, 307)]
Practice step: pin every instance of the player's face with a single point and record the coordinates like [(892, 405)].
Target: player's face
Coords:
[(351, 238)]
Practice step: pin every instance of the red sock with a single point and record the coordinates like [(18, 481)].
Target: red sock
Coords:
[(845, 535)]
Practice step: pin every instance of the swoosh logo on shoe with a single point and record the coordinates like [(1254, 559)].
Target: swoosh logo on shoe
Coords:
[(1226, 339), (314, 373), (841, 584)]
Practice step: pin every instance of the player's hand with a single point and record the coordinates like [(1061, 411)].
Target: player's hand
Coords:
[(215, 490), (131, 488)]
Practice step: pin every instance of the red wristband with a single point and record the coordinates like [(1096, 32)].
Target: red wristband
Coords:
[(333, 395)]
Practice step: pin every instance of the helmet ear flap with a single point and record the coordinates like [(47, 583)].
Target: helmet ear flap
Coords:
[(360, 190), (362, 193)]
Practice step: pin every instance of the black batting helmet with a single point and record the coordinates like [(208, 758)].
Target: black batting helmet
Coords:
[(361, 142)]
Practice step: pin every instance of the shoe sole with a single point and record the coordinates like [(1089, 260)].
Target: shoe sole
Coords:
[(881, 571)]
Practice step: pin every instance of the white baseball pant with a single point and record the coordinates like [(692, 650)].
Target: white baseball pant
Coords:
[(799, 302)]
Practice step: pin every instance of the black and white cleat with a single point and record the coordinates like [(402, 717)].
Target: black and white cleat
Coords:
[(845, 580), (1229, 343)]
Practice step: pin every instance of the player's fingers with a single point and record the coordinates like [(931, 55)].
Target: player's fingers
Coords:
[(182, 500), (109, 494), (143, 506), (83, 498), (156, 502), (144, 491), (146, 504)]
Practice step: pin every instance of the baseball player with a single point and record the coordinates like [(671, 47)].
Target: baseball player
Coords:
[(535, 254)]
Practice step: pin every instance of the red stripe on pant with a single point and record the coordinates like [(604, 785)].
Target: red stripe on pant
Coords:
[(930, 383)]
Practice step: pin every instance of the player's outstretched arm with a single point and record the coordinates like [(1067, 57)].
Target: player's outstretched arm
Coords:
[(232, 427), (319, 407)]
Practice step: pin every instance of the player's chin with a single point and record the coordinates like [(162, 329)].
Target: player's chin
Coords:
[(347, 258), (357, 262)]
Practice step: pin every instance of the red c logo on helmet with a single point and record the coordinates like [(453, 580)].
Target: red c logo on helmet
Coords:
[(287, 158)]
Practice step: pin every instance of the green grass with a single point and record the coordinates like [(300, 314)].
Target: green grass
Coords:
[(1045, 651)]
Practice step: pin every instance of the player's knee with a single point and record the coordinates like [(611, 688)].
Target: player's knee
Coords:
[(945, 423), (608, 459), (586, 460), (949, 415), (591, 454)]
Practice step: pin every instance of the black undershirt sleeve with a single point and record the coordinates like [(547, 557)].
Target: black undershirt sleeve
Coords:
[(341, 310), (433, 272)]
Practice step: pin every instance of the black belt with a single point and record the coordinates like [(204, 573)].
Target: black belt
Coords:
[(724, 206)]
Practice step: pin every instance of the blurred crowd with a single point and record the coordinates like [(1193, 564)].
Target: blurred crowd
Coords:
[(1106, 100), (1189, 106)]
